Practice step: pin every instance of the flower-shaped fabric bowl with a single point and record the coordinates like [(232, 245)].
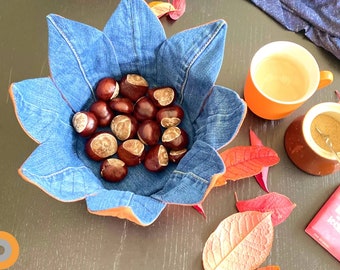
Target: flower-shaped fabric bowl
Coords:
[(133, 41)]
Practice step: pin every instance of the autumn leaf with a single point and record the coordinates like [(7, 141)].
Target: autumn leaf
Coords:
[(338, 95), (279, 205), (261, 177), (180, 6), (245, 161), (241, 241), (174, 10), (269, 267), (160, 8), (199, 209)]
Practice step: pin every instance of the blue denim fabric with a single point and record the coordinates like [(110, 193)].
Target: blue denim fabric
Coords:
[(319, 19), (133, 41)]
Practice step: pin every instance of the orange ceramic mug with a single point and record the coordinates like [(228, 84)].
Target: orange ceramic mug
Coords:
[(282, 76), (312, 141)]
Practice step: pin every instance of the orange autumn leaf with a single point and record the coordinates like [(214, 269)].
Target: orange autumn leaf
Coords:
[(241, 241), (269, 267), (245, 161), (160, 8)]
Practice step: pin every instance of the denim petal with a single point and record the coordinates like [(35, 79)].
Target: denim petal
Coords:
[(136, 33), (40, 109), (79, 56), (64, 177), (190, 62), (145, 209), (220, 118), (190, 180)]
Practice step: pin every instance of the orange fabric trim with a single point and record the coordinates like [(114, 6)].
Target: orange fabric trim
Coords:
[(122, 212)]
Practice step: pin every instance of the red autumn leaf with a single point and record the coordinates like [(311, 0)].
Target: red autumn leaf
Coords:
[(279, 205), (269, 267), (338, 95), (261, 177), (199, 209), (241, 241), (174, 10), (179, 6), (245, 161)]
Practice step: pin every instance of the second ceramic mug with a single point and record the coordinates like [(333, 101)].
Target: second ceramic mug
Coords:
[(282, 76), (306, 139)]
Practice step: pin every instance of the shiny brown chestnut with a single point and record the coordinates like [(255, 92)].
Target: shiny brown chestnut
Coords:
[(144, 109), (176, 155), (103, 112), (170, 116), (149, 132), (121, 105), (132, 152), (175, 138), (124, 127), (85, 123), (101, 145), (133, 86), (107, 89), (156, 158), (162, 96), (113, 170)]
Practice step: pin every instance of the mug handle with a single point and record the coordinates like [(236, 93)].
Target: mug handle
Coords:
[(326, 78)]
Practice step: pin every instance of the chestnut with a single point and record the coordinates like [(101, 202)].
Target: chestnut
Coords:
[(122, 105), (113, 170), (175, 138), (132, 152), (170, 116), (107, 89), (133, 86), (176, 155), (144, 109), (103, 112), (85, 123), (124, 126), (156, 159), (149, 132), (101, 145), (163, 96)]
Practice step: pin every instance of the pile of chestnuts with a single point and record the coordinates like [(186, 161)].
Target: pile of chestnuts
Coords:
[(129, 124)]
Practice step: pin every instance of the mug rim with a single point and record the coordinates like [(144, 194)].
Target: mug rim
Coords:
[(281, 44), (321, 108)]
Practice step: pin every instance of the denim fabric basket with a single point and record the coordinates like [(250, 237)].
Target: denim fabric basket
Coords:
[(133, 41)]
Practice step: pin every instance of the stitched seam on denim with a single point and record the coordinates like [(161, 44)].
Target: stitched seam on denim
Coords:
[(54, 116), (212, 37), (193, 176), (134, 36), (58, 172), (43, 187), (74, 53)]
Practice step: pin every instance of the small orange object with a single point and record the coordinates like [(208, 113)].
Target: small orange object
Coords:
[(11, 250)]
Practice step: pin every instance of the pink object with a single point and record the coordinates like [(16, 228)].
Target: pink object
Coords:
[(261, 177), (325, 226)]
